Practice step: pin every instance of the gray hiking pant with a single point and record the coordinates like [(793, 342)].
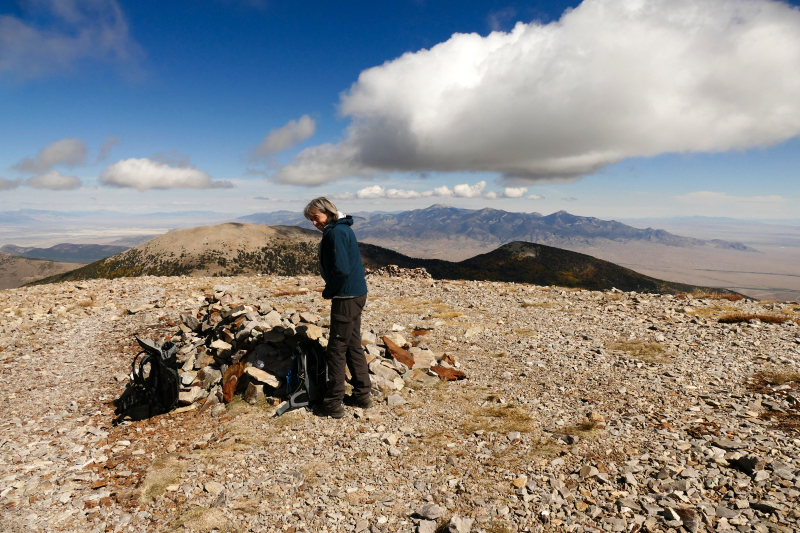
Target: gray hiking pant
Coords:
[(344, 348)]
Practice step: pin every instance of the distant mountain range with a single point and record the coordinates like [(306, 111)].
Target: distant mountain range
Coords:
[(447, 227), (245, 249), (65, 252)]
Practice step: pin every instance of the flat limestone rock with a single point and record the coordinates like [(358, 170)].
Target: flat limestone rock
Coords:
[(397, 339), (381, 370), (310, 331), (220, 345), (254, 393), (190, 396), (262, 377), (270, 320), (419, 379), (309, 318), (424, 359)]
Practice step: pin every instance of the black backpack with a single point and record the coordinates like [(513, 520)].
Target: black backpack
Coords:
[(307, 378), (156, 393)]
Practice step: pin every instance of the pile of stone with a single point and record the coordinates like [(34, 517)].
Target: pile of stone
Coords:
[(229, 348), (394, 271)]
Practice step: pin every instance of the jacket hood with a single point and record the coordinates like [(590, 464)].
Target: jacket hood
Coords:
[(348, 220)]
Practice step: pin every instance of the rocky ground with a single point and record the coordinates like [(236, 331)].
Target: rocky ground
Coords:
[(583, 411)]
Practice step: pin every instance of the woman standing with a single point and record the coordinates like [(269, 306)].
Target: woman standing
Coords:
[(345, 285)]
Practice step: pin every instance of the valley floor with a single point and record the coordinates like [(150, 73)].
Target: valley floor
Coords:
[(583, 411)]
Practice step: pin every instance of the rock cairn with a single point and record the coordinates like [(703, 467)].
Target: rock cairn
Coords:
[(394, 271), (229, 348)]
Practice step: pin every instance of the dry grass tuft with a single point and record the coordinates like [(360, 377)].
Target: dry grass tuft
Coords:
[(710, 296), (165, 470), (292, 292), (499, 419), (586, 430), (780, 376), (539, 305), (495, 527), (735, 318), (288, 419), (204, 519), (649, 352), (447, 314)]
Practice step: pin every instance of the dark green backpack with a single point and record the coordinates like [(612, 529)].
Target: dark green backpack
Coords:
[(154, 386)]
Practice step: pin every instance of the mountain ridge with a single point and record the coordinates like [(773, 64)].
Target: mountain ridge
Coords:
[(65, 252), (234, 248), (17, 271), (493, 227)]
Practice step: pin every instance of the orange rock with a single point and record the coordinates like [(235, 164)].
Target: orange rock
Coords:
[(399, 353), (448, 374), (449, 359), (230, 381)]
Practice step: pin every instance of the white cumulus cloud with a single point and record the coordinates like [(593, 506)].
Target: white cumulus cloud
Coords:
[(284, 137), (463, 190), (6, 184), (54, 181), (402, 194), (469, 191), (611, 79), (70, 152), (515, 192), (368, 193), (75, 31), (535, 197), (144, 174), (444, 190)]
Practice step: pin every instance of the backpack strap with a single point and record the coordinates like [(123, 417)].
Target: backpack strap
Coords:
[(282, 409), (135, 402)]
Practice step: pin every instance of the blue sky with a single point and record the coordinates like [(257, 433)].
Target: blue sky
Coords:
[(609, 110)]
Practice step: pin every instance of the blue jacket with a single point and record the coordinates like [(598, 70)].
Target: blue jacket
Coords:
[(340, 261)]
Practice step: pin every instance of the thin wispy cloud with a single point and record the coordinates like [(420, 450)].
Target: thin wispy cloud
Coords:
[(55, 181), (108, 143), (69, 152), (75, 31), (501, 20), (145, 174), (710, 198), (285, 137), (7, 185), (553, 102), (259, 5)]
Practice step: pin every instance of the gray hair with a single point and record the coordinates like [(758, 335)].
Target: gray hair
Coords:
[(322, 205)]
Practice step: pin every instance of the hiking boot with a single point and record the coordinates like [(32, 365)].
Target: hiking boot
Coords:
[(363, 403), (336, 411)]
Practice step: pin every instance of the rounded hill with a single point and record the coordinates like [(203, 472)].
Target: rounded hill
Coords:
[(226, 249)]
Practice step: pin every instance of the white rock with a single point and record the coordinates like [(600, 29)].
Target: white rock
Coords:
[(262, 376), (220, 345)]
